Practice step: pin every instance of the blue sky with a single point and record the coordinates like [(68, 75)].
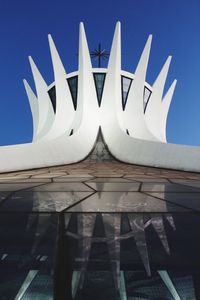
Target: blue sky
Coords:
[(175, 25)]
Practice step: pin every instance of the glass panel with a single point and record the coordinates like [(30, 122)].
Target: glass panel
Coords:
[(99, 231), (27, 255), (52, 95), (73, 86), (126, 84), (147, 95), (99, 79)]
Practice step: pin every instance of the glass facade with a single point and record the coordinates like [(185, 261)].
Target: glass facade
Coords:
[(99, 231), (147, 95), (52, 95), (99, 79), (73, 86), (126, 84), (97, 256)]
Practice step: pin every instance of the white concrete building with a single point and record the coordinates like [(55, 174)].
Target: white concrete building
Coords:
[(68, 114)]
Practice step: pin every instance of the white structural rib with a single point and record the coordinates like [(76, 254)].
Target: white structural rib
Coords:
[(113, 79), (153, 115), (139, 151), (64, 149), (33, 101), (134, 112), (67, 149), (164, 111), (86, 98), (65, 112), (46, 113)]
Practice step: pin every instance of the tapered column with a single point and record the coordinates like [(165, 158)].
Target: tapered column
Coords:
[(164, 111), (33, 101), (87, 106), (134, 112), (111, 99), (153, 111), (65, 112), (46, 113)]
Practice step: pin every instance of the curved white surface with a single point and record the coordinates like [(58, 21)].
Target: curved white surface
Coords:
[(134, 112), (65, 112), (165, 109), (46, 113), (153, 115), (33, 101), (53, 144)]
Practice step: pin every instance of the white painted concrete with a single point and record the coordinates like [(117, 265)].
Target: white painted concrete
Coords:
[(146, 144)]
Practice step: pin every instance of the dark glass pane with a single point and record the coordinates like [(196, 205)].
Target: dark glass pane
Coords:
[(99, 79), (147, 95), (73, 86), (52, 95), (126, 84)]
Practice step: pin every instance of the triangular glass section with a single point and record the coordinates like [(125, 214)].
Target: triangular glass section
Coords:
[(99, 79), (100, 151), (147, 95), (126, 84), (52, 95), (73, 86)]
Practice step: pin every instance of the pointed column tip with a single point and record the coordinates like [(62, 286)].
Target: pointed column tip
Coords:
[(32, 63), (169, 58), (118, 25), (81, 24), (51, 41), (30, 59), (150, 37), (174, 83), (81, 28)]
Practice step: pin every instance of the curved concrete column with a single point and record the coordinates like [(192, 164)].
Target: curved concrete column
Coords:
[(113, 79), (59, 148), (134, 112), (165, 110), (46, 113), (153, 115), (65, 112), (33, 101), (87, 105)]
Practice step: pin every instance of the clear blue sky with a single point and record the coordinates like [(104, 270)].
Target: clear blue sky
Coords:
[(175, 25)]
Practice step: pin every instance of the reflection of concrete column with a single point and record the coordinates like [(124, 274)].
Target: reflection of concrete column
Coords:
[(112, 226), (196, 283), (122, 291), (27, 282), (169, 284), (86, 223), (138, 229), (63, 267), (158, 225)]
